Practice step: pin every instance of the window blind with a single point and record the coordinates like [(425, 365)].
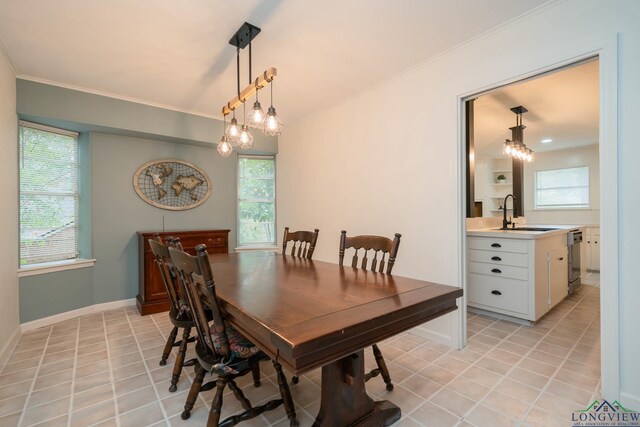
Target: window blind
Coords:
[(48, 194), (562, 188)]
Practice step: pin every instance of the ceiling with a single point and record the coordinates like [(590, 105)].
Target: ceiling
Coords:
[(563, 106), (176, 53)]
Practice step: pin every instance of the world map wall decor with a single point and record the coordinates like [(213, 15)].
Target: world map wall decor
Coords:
[(172, 184)]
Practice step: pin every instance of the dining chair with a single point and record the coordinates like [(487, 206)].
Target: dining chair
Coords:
[(179, 312), (221, 350), (384, 246), (304, 242)]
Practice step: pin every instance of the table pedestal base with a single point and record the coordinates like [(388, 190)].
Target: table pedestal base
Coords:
[(344, 398)]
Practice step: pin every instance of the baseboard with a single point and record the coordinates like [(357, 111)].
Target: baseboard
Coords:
[(429, 334), (60, 317), (630, 402), (8, 346)]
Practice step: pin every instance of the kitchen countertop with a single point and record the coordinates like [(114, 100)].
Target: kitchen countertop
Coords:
[(522, 234)]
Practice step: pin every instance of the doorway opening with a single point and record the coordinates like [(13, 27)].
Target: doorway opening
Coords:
[(538, 297)]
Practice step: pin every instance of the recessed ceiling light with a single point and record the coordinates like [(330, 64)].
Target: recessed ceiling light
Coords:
[(546, 141)]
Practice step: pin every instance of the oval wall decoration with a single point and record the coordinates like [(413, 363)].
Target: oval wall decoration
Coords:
[(172, 184)]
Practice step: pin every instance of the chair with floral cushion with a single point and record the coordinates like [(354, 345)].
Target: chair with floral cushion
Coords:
[(220, 349), (179, 312)]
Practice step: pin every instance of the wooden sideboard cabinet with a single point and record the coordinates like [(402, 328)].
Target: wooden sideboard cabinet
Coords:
[(152, 295)]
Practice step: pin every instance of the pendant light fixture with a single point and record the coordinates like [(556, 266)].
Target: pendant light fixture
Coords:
[(224, 147), (515, 147), (245, 139), (270, 123)]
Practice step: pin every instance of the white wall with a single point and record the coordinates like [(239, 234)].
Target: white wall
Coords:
[(9, 209), (572, 157), (385, 160)]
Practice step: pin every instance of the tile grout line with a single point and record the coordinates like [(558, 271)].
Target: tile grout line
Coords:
[(146, 366), (462, 418), (564, 359), (111, 378), (491, 389), (73, 374), (524, 416), (35, 376)]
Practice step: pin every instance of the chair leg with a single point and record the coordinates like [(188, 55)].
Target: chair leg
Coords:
[(255, 372), (193, 391), (169, 345), (216, 405), (177, 367), (286, 395), (384, 371)]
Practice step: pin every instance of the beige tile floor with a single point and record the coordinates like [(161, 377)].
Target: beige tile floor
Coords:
[(102, 369)]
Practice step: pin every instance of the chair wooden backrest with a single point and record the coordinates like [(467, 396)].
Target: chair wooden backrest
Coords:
[(178, 303), (305, 240), (375, 243), (197, 278)]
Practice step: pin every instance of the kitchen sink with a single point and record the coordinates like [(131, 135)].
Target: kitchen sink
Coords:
[(528, 229)]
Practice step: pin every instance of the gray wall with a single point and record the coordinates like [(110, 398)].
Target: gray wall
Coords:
[(110, 153)]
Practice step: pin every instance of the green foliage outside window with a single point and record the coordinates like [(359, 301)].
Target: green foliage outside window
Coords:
[(256, 200)]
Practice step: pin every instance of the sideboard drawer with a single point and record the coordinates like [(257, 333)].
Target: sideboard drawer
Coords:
[(505, 294)]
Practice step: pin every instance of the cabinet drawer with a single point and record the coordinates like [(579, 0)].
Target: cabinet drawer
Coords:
[(498, 245), (191, 241), (504, 294), (507, 271), (499, 258)]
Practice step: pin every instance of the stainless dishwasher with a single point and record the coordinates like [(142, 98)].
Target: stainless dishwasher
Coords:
[(574, 238)]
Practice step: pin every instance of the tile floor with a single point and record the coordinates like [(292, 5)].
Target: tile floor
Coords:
[(102, 369)]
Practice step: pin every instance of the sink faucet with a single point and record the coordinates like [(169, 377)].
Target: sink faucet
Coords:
[(505, 223)]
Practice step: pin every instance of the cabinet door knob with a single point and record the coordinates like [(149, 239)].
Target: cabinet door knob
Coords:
[(496, 258), (561, 258), (496, 292), (496, 245), (496, 270)]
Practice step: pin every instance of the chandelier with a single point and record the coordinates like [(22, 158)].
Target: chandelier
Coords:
[(515, 147), (236, 134)]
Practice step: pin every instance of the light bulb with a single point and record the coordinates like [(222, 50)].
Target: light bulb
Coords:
[(272, 124), (233, 131), (507, 149), (224, 148), (255, 118), (245, 139)]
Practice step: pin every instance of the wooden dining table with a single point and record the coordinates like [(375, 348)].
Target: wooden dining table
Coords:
[(310, 314)]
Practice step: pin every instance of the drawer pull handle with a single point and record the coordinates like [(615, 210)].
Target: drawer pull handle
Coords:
[(496, 245), (496, 292), (496, 270), (496, 258)]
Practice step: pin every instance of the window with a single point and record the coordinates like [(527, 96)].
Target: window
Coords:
[(48, 194), (256, 200), (562, 188)]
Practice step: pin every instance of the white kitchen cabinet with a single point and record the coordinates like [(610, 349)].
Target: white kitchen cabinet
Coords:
[(591, 247), (522, 278), (557, 263)]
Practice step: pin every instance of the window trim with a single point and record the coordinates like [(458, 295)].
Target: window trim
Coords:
[(263, 245), (53, 266), (62, 264), (564, 207)]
